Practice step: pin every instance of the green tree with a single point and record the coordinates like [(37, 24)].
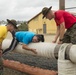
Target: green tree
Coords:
[(23, 26)]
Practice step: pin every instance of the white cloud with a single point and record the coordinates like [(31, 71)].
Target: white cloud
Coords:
[(26, 9)]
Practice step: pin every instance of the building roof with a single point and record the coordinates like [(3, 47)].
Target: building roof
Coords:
[(34, 17)]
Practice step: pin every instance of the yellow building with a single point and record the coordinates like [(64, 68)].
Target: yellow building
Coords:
[(41, 26)]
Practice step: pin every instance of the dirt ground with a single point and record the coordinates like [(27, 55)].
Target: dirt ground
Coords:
[(49, 38)]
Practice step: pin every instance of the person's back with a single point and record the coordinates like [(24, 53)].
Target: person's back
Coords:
[(3, 33), (64, 16), (24, 36)]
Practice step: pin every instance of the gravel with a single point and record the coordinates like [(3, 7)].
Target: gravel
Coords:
[(32, 60)]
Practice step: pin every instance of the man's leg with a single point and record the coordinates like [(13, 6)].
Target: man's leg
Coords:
[(73, 34), (66, 38), (73, 38), (12, 46)]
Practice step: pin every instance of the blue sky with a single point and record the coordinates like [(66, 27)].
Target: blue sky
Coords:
[(26, 9)]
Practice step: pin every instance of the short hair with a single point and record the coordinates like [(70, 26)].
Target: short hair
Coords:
[(40, 37)]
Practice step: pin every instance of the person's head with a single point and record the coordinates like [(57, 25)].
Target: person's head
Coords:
[(48, 13), (11, 25), (38, 38)]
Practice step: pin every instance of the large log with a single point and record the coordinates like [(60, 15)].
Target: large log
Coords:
[(44, 49), (26, 68)]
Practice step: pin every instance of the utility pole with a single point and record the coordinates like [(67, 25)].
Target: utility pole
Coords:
[(62, 4)]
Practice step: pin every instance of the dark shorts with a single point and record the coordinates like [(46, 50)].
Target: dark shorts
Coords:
[(70, 35)]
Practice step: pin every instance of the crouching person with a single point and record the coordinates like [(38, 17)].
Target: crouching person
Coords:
[(25, 37), (10, 26)]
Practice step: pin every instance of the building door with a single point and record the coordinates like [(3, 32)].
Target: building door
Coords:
[(44, 28)]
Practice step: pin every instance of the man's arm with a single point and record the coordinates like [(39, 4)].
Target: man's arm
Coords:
[(57, 34), (24, 46), (62, 31)]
